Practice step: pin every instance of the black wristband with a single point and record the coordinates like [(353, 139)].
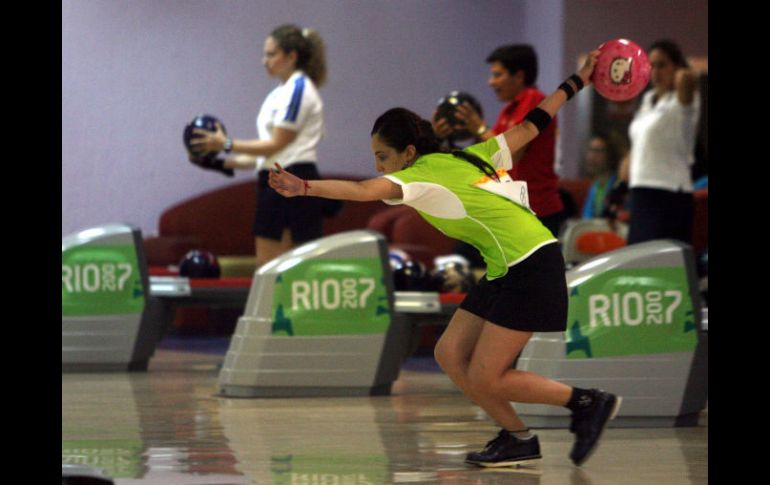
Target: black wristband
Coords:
[(538, 117), (213, 163), (571, 85), (218, 164)]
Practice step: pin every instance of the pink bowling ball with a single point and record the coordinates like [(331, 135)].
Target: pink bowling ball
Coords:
[(622, 70)]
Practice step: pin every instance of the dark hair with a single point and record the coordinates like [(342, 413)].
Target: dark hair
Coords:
[(615, 146), (672, 51), (307, 43), (398, 128), (517, 57)]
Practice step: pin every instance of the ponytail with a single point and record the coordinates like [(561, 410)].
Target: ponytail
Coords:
[(427, 141), (316, 63), (310, 49), (481, 164)]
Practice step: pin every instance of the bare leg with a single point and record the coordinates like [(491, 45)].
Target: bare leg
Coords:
[(268, 249), (454, 349), (494, 384), (478, 356)]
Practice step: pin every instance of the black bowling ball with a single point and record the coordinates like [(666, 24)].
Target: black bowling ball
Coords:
[(199, 264), (447, 106), (204, 122), (411, 276), (703, 263)]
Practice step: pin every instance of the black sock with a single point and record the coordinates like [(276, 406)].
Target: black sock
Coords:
[(580, 399)]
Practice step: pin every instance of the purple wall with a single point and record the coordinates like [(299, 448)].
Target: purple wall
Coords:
[(133, 73)]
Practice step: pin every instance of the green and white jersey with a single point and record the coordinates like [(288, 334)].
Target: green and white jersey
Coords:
[(462, 202)]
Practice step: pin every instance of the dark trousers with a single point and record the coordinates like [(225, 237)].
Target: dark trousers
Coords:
[(660, 214)]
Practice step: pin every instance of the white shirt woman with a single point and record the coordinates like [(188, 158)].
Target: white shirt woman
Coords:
[(290, 126), (662, 134)]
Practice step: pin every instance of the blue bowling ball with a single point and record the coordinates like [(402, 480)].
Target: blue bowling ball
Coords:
[(204, 122), (396, 258)]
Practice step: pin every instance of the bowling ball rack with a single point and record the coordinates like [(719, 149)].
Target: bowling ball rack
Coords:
[(175, 291)]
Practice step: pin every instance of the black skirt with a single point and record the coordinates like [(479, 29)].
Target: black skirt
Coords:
[(302, 215), (531, 297)]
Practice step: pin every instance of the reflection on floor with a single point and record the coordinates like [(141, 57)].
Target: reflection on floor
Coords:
[(166, 426)]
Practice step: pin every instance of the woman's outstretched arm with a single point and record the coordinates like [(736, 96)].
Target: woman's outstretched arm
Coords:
[(289, 185)]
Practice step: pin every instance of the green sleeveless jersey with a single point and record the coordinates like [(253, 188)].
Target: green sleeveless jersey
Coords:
[(459, 200)]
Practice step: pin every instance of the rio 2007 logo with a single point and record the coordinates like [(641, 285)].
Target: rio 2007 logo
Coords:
[(331, 293), (331, 297), (633, 311), (633, 308)]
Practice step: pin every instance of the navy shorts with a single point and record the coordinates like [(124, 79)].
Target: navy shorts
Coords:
[(531, 297), (660, 214), (302, 215)]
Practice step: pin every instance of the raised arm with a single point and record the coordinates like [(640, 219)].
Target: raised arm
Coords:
[(290, 185), (519, 135), (685, 82)]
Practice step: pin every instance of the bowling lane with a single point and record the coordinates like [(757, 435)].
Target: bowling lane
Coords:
[(166, 426)]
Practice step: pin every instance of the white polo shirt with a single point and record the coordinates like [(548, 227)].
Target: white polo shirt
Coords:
[(294, 105), (662, 143)]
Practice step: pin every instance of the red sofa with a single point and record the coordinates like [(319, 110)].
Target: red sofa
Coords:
[(220, 221), (405, 229)]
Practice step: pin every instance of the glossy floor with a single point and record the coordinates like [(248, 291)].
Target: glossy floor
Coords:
[(166, 426)]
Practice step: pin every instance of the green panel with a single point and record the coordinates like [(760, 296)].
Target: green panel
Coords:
[(118, 458), (634, 311), (331, 297), (322, 469), (101, 280)]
